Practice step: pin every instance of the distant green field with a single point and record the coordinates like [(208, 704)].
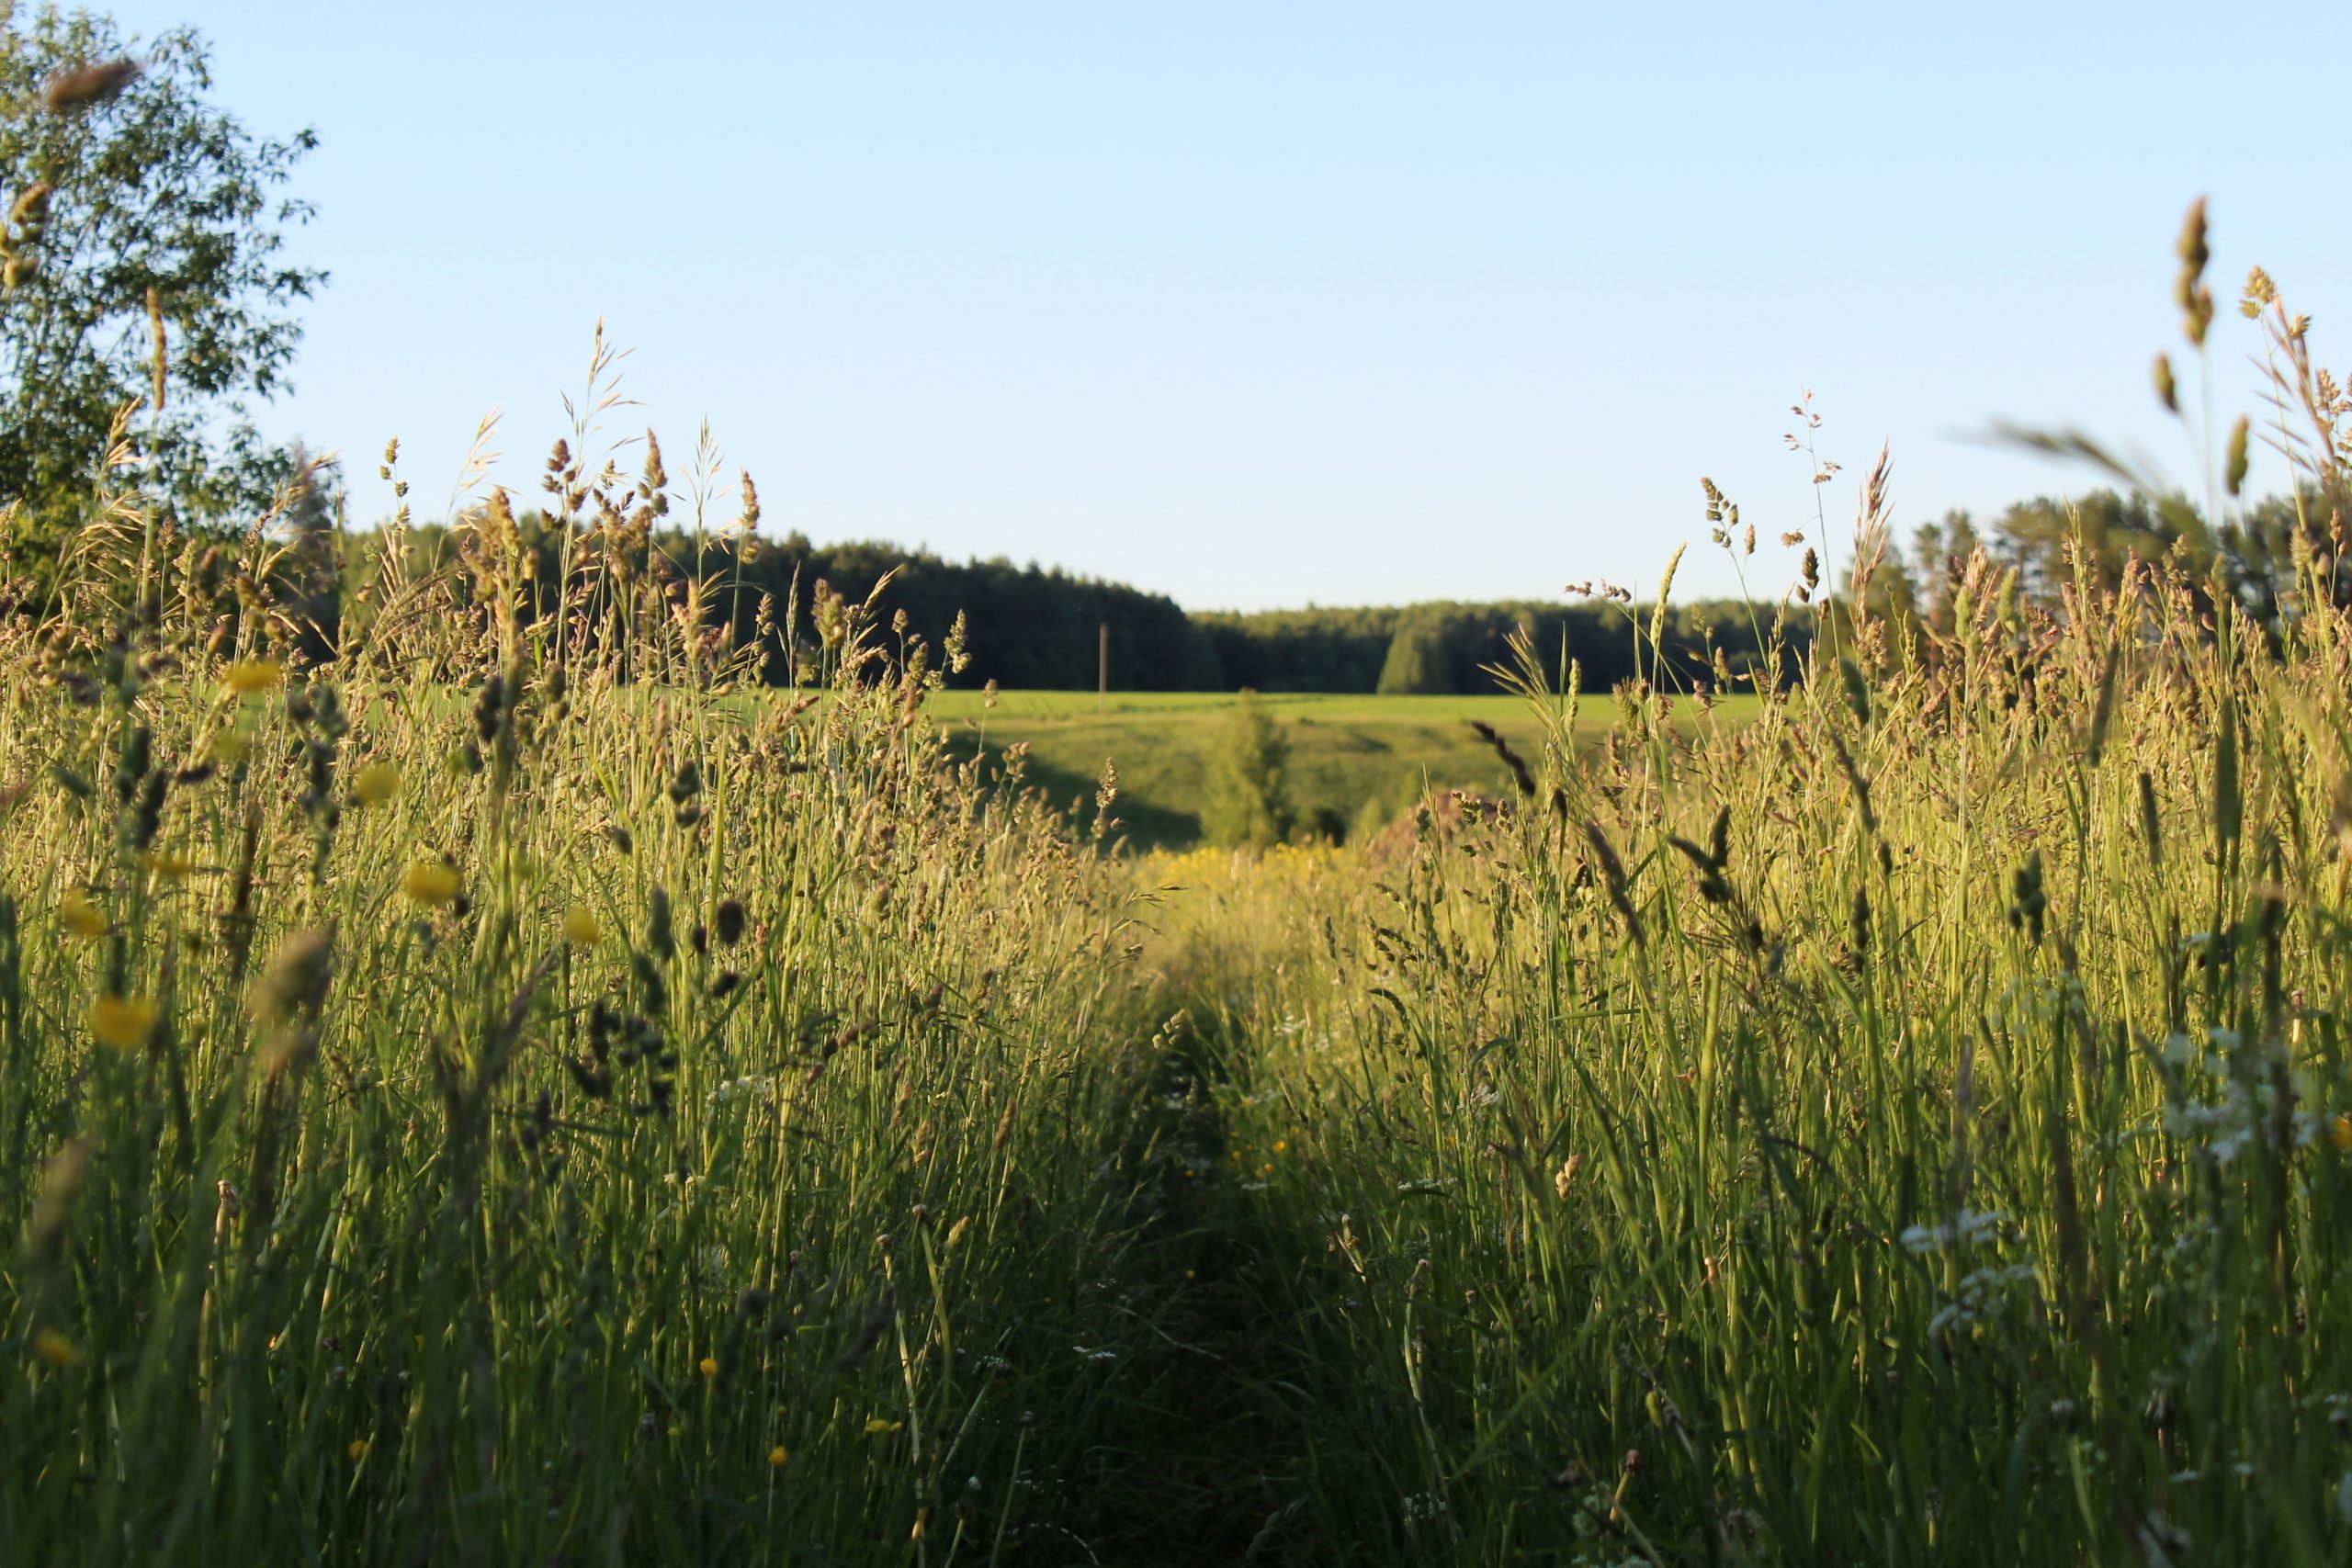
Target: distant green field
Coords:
[(1354, 760)]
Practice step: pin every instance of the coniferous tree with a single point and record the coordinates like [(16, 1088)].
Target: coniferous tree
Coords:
[(1249, 802)]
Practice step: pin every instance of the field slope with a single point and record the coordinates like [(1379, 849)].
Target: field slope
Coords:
[(1355, 760)]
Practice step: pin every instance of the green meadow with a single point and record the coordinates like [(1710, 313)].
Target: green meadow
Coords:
[(1357, 763)]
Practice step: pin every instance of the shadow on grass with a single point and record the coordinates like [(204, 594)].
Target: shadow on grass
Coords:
[(1147, 826), (1209, 1456)]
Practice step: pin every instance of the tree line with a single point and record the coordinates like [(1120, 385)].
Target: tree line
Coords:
[(1032, 627), (147, 298), (1027, 626), (1046, 628)]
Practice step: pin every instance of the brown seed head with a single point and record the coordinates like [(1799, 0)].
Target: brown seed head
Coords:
[(69, 91)]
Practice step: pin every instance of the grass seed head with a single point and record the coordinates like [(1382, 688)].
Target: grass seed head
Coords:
[(660, 935), (71, 92), (2190, 291), (295, 982)]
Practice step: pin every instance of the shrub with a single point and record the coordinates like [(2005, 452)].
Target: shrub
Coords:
[(1248, 799)]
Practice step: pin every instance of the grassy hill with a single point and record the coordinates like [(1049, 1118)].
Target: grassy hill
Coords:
[(1353, 758)]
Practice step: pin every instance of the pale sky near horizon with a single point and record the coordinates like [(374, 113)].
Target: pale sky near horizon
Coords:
[(1263, 304)]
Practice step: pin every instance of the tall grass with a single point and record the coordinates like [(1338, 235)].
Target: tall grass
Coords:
[(491, 1097), (475, 1087), (1912, 1125)]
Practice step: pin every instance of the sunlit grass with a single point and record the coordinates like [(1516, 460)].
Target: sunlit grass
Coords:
[(1358, 762), (456, 1104)]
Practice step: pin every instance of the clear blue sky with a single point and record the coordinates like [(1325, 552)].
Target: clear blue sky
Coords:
[(1268, 303)]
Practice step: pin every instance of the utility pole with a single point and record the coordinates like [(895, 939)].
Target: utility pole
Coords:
[(1102, 666)]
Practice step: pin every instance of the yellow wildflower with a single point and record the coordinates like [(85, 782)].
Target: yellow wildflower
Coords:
[(375, 783), (430, 882), (876, 1426), (775, 1457), (2343, 1131), (54, 1348), (166, 864), (581, 926), (123, 1022), (357, 1448), (709, 1367), (85, 917), (248, 676)]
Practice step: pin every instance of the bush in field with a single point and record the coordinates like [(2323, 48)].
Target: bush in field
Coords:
[(1249, 803)]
